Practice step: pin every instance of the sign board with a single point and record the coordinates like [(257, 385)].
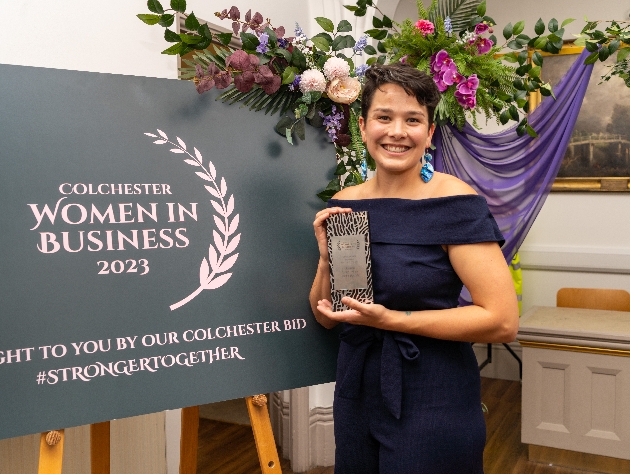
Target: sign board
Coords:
[(156, 250)]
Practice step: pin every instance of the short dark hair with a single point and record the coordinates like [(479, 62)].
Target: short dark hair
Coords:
[(415, 83)]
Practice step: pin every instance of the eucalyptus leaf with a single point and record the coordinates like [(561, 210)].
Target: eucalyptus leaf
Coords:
[(155, 6), (325, 23), (148, 18), (288, 135), (300, 129)]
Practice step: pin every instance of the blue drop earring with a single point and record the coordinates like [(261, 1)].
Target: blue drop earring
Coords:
[(426, 173), (363, 169)]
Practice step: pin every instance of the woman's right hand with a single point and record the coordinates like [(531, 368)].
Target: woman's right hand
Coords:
[(319, 225)]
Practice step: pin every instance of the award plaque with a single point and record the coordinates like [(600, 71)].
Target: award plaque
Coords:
[(349, 258)]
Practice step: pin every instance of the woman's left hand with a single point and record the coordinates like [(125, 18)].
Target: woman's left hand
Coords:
[(363, 314)]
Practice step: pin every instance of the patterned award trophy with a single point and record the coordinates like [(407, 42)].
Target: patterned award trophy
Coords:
[(349, 258)]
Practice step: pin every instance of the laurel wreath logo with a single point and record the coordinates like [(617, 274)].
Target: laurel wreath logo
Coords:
[(212, 272)]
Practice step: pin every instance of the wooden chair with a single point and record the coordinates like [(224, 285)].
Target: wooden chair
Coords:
[(593, 298)]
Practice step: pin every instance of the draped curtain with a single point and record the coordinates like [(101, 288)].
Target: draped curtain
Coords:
[(515, 173)]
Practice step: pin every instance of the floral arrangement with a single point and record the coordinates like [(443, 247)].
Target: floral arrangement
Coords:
[(318, 80)]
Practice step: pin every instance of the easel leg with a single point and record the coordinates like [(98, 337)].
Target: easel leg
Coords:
[(263, 435), (189, 441), (50, 452), (100, 448)]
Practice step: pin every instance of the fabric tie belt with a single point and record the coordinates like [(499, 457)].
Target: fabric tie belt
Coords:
[(396, 346)]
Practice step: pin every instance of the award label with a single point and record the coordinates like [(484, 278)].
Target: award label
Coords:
[(349, 258)]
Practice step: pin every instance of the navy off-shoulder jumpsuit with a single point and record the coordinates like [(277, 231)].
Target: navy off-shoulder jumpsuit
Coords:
[(407, 404)]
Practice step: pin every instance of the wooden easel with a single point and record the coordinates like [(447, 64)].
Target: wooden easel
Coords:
[(51, 443)]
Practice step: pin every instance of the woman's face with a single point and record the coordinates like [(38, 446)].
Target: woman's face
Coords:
[(396, 130)]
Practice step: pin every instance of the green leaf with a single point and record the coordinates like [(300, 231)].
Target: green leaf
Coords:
[(204, 31), (298, 59), (370, 61), (387, 22), (507, 31), (326, 36), (155, 6), (341, 169), (504, 117), (514, 45), (190, 39), (287, 134), (369, 50), (541, 42), (344, 26), (381, 47), (342, 42), (535, 71), (288, 76), (522, 57), (178, 5), (530, 131), (513, 112), (613, 46), (545, 90), (282, 52), (566, 22), (522, 70), (481, 8), (537, 58), (203, 44), (250, 41), (284, 123), (148, 18), (191, 22), (320, 43), (325, 23), (623, 54), (171, 36), (503, 95), (377, 34), (553, 25), (381, 59), (173, 50), (518, 28), (166, 20), (509, 57), (539, 27), (352, 8), (603, 54), (360, 12), (300, 129), (376, 22), (591, 46), (224, 38)]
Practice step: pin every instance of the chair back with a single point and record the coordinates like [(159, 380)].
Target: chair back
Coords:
[(593, 298)]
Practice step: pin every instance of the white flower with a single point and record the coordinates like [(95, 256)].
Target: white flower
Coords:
[(336, 67), (312, 80), (344, 90)]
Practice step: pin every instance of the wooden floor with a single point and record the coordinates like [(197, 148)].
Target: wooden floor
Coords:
[(226, 448)]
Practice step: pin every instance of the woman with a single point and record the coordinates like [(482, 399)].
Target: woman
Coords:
[(407, 398)]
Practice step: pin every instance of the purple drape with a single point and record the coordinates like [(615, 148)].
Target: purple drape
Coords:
[(515, 173)]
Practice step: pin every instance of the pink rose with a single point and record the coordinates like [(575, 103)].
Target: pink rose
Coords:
[(344, 90), (425, 27)]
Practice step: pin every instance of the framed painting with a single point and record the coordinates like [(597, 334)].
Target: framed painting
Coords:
[(598, 156)]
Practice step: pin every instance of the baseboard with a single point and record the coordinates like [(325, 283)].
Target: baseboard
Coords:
[(573, 259)]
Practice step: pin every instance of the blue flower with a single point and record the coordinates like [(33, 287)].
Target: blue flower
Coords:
[(298, 31), (332, 122), (359, 71), (283, 43), (262, 47), (360, 45), (448, 27)]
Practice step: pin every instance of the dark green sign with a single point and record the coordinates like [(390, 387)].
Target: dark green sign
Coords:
[(156, 250)]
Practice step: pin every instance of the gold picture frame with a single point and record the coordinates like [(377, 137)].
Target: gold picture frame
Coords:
[(590, 130)]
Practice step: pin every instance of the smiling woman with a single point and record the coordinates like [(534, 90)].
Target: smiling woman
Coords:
[(407, 398)]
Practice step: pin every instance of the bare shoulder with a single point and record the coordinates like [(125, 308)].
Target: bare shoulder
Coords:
[(448, 185)]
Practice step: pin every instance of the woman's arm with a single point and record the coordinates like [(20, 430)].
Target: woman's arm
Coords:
[(321, 285), (493, 316)]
